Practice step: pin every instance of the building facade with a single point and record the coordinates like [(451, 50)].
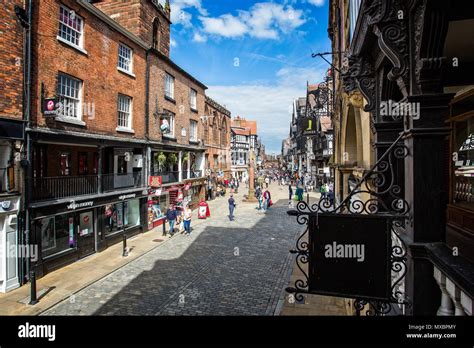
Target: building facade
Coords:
[(13, 75), (409, 54), (216, 124), (113, 132)]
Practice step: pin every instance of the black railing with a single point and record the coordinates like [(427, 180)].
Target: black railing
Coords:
[(64, 186), (112, 182), (168, 177)]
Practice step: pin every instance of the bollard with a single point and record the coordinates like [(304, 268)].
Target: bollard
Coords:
[(164, 227), (125, 253), (307, 198), (33, 299)]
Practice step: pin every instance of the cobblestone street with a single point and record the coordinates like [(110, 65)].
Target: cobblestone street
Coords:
[(223, 268)]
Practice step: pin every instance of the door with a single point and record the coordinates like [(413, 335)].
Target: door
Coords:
[(85, 231)]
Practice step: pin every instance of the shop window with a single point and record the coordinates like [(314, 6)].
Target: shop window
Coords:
[(121, 215), (57, 233), (121, 165), (82, 163), (86, 221), (65, 163)]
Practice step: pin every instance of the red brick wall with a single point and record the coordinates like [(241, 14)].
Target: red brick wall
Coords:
[(137, 16), (102, 82), (215, 145), (11, 61), (181, 107)]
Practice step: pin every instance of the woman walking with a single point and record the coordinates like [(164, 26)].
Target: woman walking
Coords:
[(187, 220)]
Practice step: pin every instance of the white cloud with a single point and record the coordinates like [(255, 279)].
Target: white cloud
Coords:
[(179, 15), (225, 25), (268, 104), (173, 43), (316, 2), (199, 38), (263, 21)]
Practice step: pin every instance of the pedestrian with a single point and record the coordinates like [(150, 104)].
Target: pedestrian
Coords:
[(187, 220), (209, 189), (299, 193), (267, 181), (231, 207), (290, 192), (171, 217)]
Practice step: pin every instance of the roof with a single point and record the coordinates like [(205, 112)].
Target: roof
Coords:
[(243, 123), (241, 131)]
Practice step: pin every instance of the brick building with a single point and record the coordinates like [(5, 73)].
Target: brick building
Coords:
[(113, 136), (12, 72), (175, 103), (216, 135)]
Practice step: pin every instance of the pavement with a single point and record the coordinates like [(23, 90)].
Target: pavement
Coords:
[(238, 267)]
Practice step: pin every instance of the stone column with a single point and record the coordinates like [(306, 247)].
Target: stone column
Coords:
[(251, 196)]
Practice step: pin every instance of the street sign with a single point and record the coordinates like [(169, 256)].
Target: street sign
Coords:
[(350, 256)]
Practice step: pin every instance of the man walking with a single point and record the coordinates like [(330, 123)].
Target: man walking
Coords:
[(290, 192), (171, 217), (231, 207)]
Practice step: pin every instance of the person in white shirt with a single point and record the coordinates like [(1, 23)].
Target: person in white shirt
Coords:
[(187, 220)]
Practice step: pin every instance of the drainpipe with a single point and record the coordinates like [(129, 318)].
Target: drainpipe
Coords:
[(27, 117), (147, 154)]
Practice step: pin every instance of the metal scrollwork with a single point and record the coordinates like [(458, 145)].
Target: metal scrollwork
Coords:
[(380, 185)]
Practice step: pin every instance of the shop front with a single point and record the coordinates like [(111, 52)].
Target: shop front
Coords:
[(69, 231)]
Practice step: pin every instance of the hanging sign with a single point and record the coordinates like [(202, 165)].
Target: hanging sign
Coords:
[(155, 181), (71, 232), (50, 107), (350, 256)]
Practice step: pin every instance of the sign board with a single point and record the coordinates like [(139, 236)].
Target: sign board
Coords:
[(309, 125), (155, 181), (50, 107), (350, 255)]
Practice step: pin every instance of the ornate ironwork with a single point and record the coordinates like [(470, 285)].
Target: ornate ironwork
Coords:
[(360, 74), (385, 197)]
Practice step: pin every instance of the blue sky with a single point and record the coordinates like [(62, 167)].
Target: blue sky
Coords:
[(255, 56)]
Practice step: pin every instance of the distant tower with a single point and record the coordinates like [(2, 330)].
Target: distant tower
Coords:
[(147, 19)]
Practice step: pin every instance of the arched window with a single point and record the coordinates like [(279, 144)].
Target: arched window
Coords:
[(206, 125), (156, 33), (215, 128), (224, 132)]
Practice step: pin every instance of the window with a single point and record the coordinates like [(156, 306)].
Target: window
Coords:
[(169, 86), (82, 163), (121, 215), (124, 112), (57, 233), (156, 34), (193, 99), (65, 163), (121, 165), (70, 27), (125, 58), (69, 94), (193, 127), (216, 161), (167, 125)]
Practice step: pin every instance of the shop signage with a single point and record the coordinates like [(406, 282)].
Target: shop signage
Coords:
[(124, 197), (350, 256), (73, 205), (155, 181), (51, 107)]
